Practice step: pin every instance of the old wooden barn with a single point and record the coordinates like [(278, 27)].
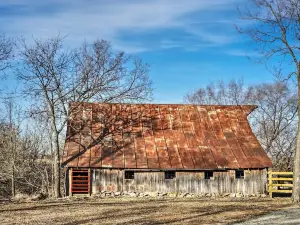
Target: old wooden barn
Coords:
[(163, 148)]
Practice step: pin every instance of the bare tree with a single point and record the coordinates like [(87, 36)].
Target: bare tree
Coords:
[(19, 154), (6, 51), (274, 122), (232, 93), (53, 77), (9, 145), (275, 27)]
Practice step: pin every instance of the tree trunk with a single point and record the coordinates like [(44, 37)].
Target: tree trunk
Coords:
[(56, 166), (13, 186), (52, 163), (296, 181), (47, 186)]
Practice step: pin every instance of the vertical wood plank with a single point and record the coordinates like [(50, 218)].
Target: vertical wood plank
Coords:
[(70, 181), (254, 182)]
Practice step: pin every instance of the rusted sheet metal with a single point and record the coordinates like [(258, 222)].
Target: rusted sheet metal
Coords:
[(117, 137), (204, 149), (76, 125), (179, 137), (149, 136), (223, 135), (234, 138), (244, 131), (97, 127), (191, 137), (150, 147), (175, 159), (184, 150), (208, 115), (139, 142), (159, 138), (104, 117), (128, 137)]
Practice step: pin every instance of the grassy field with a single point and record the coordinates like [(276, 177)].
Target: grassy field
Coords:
[(138, 211)]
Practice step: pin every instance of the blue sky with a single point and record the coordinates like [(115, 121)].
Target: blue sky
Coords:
[(188, 44)]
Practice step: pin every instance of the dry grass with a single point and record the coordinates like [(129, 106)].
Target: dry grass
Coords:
[(138, 211)]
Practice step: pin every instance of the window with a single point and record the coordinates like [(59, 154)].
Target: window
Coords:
[(208, 175), (239, 174), (170, 175), (129, 175)]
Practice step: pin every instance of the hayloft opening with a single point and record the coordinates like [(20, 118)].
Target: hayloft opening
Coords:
[(129, 175), (169, 175), (208, 175), (239, 174)]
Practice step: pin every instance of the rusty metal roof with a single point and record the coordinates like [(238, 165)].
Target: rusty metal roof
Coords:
[(152, 136)]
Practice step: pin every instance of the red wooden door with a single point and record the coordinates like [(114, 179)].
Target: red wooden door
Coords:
[(80, 181)]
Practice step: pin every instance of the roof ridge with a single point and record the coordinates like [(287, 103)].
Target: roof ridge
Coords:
[(174, 104)]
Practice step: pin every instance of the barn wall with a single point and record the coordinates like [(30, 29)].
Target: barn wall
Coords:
[(192, 182)]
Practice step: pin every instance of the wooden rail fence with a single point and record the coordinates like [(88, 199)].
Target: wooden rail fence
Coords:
[(280, 182)]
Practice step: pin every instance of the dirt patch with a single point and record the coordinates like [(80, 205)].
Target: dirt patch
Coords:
[(139, 211)]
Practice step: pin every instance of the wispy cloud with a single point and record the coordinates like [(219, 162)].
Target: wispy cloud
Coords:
[(167, 44), (243, 53), (110, 19)]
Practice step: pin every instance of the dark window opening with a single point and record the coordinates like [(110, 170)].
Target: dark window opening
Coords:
[(239, 174), (170, 175), (208, 175), (129, 175)]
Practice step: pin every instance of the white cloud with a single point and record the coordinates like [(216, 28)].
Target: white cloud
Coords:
[(111, 19), (237, 52), (215, 37), (167, 44)]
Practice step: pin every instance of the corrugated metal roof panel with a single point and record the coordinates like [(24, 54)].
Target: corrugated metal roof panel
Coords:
[(149, 136)]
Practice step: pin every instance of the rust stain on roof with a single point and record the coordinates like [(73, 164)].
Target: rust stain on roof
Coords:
[(151, 136)]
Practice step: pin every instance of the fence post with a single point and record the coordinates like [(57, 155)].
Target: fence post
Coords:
[(270, 176)]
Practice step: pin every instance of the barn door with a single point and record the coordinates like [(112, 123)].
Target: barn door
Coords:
[(80, 181)]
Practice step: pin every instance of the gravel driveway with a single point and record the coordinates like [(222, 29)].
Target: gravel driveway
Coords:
[(284, 216)]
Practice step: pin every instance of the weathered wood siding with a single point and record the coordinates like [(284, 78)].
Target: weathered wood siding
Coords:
[(192, 182)]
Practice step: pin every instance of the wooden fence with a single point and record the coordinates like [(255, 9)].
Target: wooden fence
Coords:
[(280, 182)]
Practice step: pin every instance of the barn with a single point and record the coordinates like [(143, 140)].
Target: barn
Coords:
[(164, 148)]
